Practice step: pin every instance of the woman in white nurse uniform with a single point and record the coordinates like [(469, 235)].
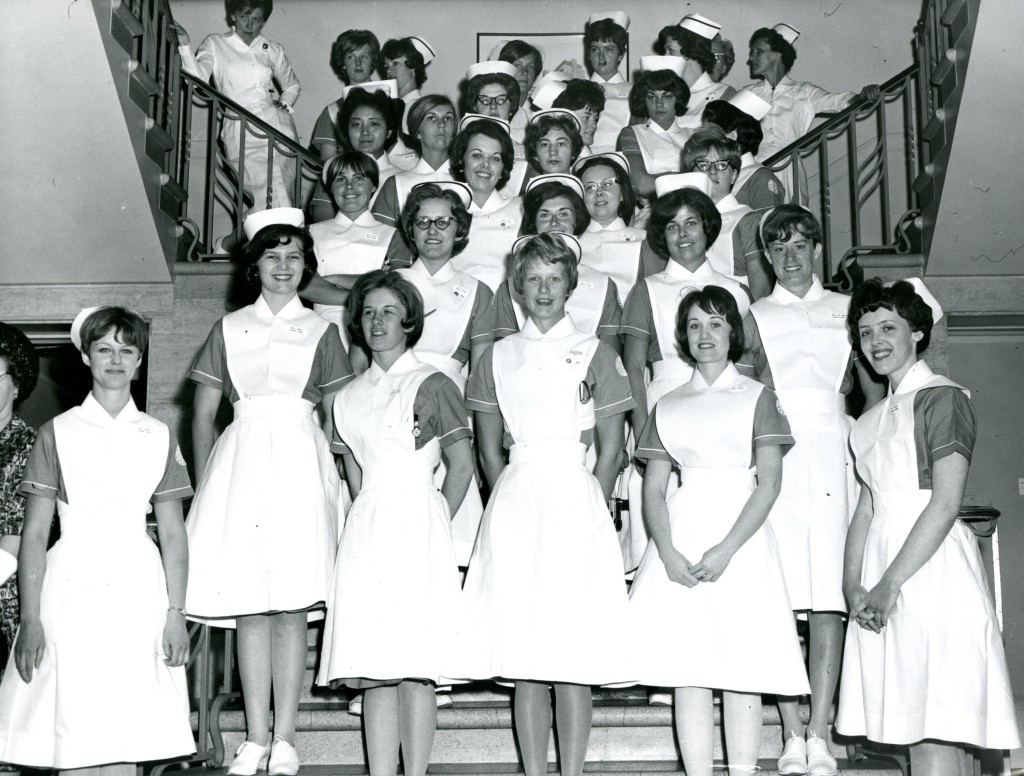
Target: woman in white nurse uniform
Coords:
[(263, 527), (547, 560), (96, 679), (394, 606), (924, 662), (460, 315), (711, 578)]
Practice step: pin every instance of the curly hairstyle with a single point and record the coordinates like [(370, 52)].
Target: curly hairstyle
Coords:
[(605, 29), (722, 114), (710, 138), (657, 81), (536, 131), (404, 291), (487, 128), (22, 360), (507, 82), (549, 248), (776, 43), (536, 198), (579, 94), (714, 300), (271, 237), (129, 327), (402, 48), (667, 207), (627, 206), (421, 193), (346, 43), (786, 220), (901, 298), (691, 45)]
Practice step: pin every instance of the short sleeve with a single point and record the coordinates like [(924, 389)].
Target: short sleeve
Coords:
[(385, 207), (637, 315), (650, 446), (944, 423), (334, 367), (324, 130), (762, 190), (174, 485), (210, 366), (481, 395), (42, 472), (504, 315), (440, 412), (481, 325), (398, 255), (609, 383), (771, 427), (747, 244), (338, 446), (611, 314), (650, 262)]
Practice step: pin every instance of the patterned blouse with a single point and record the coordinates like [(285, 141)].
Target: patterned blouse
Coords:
[(15, 443)]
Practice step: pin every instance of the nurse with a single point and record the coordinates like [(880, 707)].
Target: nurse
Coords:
[(355, 55), (97, 677), (263, 526), (711, 578), (605, 43), (547, 560), (924, 664), (394, 601), (694, 40), (799, 345)]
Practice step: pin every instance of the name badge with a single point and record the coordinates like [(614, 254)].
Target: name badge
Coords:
[(585, 284), (372, 237), (737, 388), (574, 358), (460, 292), (893, 409), (144, 430), (296, 330), (505, 223)]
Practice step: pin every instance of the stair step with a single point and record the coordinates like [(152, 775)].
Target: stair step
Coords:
[(158, 142), (142, 88), (957, 17), (947, 74), (124, 26), (934, 132), (173, 196)]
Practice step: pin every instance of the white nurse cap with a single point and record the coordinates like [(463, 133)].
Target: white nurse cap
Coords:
[(556, 112), (469, 118), (701, 25), (683, 180), (464, 193), (788, 32), (425, 49), (619, 17), (616, 158), (926, 295), (291, 216), (76, 326), (491, 67), (751, 104), (571, 243), (545, 96), (569, 181), (389, 87), (655, 62)]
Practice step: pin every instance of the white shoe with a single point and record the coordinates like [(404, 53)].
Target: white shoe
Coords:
[(659, 699), (820, 761), (355, 706), (794, 757), (249, 758), (284, 760)]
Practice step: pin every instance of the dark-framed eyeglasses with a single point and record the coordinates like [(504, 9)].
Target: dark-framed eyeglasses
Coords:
[(441, 222), (605, 185), (706, 165), (499, 99)]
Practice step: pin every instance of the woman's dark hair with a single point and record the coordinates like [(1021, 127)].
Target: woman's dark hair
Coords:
[(749, 134), (714, 300), (425, 191), (668, 206), (270, 237), (785, 220), (380, 102), (579, 94), (507, 82), (710, 138), (901, 298), (722, 114), (691, 45), (418, 112), (602, 30), (128, 326), (234, 6), (627, 207), (402, 48), (356, 161), (22, 361), (404, 291), (536, 130), (538, 195), (518, 49), (487, 128), (776, 43), (549, 248), (657, 81), (346, 43)]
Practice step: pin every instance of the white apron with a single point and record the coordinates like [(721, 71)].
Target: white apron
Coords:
[(615, 251), (584, 305), (704, 636), (808, 348), (263, 527), (395, 601), (103, 609), (661, 149), (547, 560), (722, 255), (615, 115), (449, 298), (494, 229), (937, 670)]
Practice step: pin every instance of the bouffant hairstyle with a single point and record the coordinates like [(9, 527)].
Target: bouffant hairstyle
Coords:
[(749, 134), (777, 44), (507, 82), (519, 49), (380, 102), (605, 29), (627, 207), (549, 248), (402, 48), (270, 237), (346, 43), (579, 94), (539, 195), (668, 206), (418, 112), (404, 291), (722, 114), (714, 300), (786, 220), (710, 138), (657, 81), (22, 360), (128, 326), (425, 191), (356, 161), (901, 298), (487, 128), (234, 6), (536, 130), (691, 45)]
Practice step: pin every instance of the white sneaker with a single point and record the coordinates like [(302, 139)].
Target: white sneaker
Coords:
[(659, 699), (249, 758), (355, 706), (284, 760), (820, 761), (794, 757)]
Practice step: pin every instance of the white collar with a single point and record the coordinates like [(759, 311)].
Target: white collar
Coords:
[(728, 377), (727, 204), (748, 160), (676, 270), (615, 226), (615, 79), (653, 125), (560, 330), (406, 362), (363, 219), (442, 276), (494, 203), (784, 296), (236, 40), (293, 309), (94, 412), (702, 83)]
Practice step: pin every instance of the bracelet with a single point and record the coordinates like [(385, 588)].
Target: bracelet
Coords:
[(179, 609)]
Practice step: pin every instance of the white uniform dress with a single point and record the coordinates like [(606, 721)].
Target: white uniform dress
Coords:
[(102, 693), (937, 670), (460, 315), (389, 201), (703, 91), (807, 348), (659, 149), (614, 250), (615, 115), (263, 527), (736, 633), (494, 229), (729, 253), (246, 74), (546, 564), (394, 606)]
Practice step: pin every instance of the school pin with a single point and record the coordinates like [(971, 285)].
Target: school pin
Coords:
[(416, 431)]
